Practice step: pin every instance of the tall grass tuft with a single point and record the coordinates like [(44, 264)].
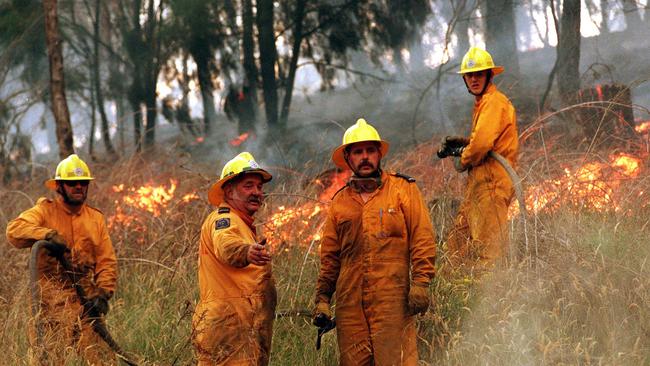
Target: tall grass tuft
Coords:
[(577, 293)]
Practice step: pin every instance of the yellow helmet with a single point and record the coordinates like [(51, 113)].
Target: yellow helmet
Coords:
[(359, 132), (70, 168), (243, 163), (477, 59)]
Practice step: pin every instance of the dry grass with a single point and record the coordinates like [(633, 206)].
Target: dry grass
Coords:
[(578, 293)]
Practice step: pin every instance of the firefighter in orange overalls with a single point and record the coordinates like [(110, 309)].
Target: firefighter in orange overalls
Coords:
[(233, 321), (78, 232), (377, 254), (480, 231)]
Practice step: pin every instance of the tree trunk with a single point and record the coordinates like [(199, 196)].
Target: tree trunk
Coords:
[(137, 124), (461, 28), (205, 84), (150, 133), (57, 82), (604, 11), (416, 53), (268, 55), (501, 34), (250, 68), (293, 65), (93, 115), (568, 52), (632, 14), (151, 72), (106, 136)]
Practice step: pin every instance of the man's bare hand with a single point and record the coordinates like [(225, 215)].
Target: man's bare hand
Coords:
[(258, 255)]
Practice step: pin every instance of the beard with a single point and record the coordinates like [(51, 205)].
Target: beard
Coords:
[(72, 201)]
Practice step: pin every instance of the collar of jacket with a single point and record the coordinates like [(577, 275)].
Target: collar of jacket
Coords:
[(67, 209), (490, 89), (357, 196), (248, 220)]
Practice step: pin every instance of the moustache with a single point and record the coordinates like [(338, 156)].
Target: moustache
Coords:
[(255, 199)]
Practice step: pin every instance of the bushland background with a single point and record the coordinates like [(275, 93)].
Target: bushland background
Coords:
[(158, 95)]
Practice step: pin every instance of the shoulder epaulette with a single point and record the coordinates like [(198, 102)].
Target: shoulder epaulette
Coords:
[(340, 189), (404, 176), (223, 210), (44, 200), (94, 208)]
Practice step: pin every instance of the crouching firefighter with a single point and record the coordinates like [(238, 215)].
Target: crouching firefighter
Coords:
[(480, 231), (377, 255), (76, 270), (233, 321)]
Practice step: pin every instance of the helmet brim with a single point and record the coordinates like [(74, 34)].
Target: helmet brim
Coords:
[(215, 193), (338, 156), (496, 70), (51, 183)]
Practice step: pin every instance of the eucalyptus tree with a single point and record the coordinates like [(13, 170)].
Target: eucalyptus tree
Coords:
[(146, 45), (200, 30)]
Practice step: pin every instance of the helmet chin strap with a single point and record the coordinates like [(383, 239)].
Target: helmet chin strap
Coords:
[(487, 82)]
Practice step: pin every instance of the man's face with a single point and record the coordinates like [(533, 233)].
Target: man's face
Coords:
[(245, 194), (476, 81), (74, 192), (364, 158)]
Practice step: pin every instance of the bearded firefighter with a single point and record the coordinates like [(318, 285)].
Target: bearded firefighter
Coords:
[(77, 232), (377, 255), (233, 321), (480, 231)]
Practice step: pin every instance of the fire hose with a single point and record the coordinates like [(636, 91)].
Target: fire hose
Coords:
[(98, 324), (455, 148)]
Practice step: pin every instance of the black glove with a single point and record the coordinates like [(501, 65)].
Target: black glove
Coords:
[(56, 249), (321, 315), (97, 306), (452, 146)]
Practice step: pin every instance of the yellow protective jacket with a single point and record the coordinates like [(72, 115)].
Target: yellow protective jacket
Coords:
[(233, 321), (370, 252), (494, 127), (86, 235), (480, 229)]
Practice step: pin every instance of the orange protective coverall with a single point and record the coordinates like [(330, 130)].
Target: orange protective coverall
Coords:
[(92, 256), (233, 322), (481, 230), (369, 254)]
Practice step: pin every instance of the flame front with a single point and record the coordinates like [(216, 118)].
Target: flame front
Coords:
[(594, 185), (139, 204), (643, 127), (302, 224), (240, 139)]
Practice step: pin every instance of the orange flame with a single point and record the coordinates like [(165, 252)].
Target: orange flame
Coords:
[(151, 198), (643, 127), (138, 204), (337, 181), (599, 90), (239, 139), (301, 224), (593, 185), (190, 197)]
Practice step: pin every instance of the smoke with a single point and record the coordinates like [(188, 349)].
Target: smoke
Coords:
[(582, 300)]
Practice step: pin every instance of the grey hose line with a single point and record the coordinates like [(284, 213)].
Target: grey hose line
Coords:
[(519, 192), (98, 324), (36, 299)]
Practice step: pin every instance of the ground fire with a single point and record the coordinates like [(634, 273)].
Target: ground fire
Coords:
[(595, 185)]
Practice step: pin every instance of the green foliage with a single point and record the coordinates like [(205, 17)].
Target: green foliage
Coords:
[(22, 39)]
